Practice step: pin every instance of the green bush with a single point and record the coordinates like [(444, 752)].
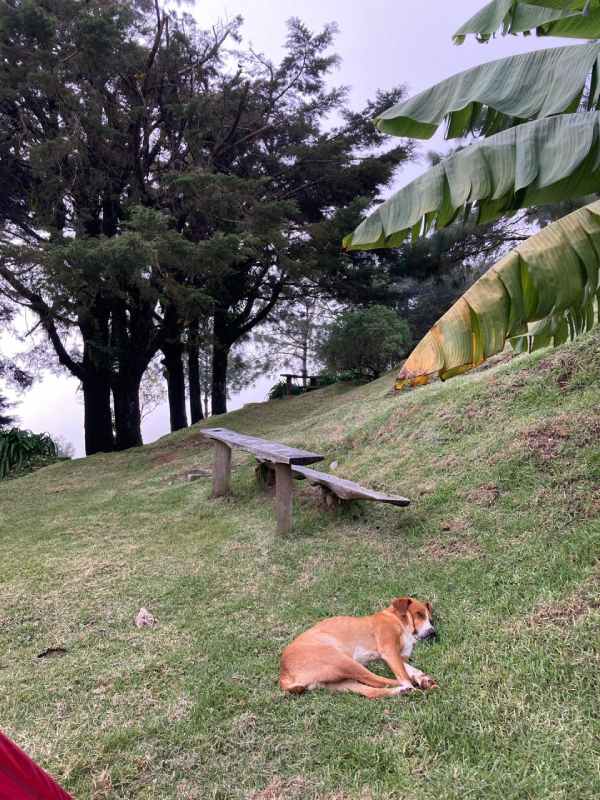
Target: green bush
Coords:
[(363, 344), (280, 390), (20, 450)]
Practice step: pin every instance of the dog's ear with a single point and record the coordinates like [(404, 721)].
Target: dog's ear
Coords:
[(401, 604), (429, 608)]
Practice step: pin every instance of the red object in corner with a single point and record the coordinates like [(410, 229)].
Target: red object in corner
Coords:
[(22, 779)]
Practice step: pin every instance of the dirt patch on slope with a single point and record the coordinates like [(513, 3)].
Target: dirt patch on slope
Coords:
[(280, 789), (299, 789), (569, 611), (485, 495), (546, 440), (439, 549)]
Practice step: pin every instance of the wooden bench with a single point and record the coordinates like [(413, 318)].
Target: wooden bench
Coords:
[(278, 456), (343, 489), (309, 382)]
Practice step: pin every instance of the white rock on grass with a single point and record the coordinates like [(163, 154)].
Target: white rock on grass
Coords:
[(145, 618)]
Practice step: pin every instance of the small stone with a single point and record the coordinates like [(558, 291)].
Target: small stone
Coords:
[(333, 465), (145, 618)]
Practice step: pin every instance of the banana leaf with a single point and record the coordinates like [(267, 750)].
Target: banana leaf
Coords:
[(493, 96), (542, 293), (579, 19), (534, 163)]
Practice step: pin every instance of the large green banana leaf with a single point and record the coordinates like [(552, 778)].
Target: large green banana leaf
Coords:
[(543, 292), (494, 96), (579, 19), (537, 162)]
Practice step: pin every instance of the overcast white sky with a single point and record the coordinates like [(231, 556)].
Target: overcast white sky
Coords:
[(381, 43)]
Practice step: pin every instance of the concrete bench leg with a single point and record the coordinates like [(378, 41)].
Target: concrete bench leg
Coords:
[(283, 498), (221, 470)]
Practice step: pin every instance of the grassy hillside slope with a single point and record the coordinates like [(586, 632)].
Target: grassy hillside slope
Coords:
[(503, 537)]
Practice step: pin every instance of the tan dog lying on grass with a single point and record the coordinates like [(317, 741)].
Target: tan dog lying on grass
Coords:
[(333, 652)]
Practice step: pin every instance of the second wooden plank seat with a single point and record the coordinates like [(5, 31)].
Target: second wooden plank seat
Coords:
[(337, 489)]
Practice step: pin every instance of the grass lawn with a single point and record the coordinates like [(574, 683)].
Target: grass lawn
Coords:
[(503, 537)]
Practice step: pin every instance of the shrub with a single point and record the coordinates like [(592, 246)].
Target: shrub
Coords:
[(366, 343), (20, 450), (280, 390)]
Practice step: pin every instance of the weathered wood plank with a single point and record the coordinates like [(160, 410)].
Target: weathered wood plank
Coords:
[(284, 495), (348, 490), (221, 470), (262, 448)]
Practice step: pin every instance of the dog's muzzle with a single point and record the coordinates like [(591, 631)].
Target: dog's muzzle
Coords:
[(430, 634)]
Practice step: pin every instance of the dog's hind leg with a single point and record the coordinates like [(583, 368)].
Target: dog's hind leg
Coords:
[(350, 669), (329, 665), (367, 691)]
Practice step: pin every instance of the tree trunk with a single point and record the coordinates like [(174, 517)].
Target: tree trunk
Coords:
[(173, 362), (220, 355), (172, 349), (304, 364), (219, 378), (95, 382), (194, 374), (99, 437), (126, 399)]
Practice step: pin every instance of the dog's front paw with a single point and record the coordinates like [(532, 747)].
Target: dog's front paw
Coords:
[(427, 682), (404, 688)]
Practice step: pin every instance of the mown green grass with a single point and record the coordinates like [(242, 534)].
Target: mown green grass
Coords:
[(503, 536)]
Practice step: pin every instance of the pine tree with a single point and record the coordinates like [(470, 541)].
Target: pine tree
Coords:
[(84, 92), (264, 181)]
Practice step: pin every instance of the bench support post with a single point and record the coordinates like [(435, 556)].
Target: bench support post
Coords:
[(265, 475), (330, 499), (284, 493), (221, 470)]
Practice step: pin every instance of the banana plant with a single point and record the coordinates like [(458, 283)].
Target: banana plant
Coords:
[(543, 292), (536, 122), (19, 448), (579, 19)]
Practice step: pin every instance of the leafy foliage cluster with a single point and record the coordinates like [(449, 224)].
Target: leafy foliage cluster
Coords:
[(22, 450), (168, 189), (366, 343), (535, 118)]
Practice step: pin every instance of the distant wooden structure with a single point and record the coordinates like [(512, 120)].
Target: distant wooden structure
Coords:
[(278, 464), (309, 382)]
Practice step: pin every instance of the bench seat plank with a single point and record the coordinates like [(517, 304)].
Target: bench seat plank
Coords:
[(262, 448), (348, 490)]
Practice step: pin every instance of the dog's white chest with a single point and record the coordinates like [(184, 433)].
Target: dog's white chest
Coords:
[(363, 655), (408, 642)]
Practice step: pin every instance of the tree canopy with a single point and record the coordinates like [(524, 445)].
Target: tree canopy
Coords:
[(159, 187)]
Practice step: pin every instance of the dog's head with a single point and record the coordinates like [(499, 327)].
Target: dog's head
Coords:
[(416, 616)]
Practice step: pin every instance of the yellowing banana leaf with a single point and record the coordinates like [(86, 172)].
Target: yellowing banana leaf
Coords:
[(495, 96), (579, 19), (537, 162), (543, 292)]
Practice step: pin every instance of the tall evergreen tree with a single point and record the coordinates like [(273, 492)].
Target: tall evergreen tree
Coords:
[(84, 93), (263, 180)]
